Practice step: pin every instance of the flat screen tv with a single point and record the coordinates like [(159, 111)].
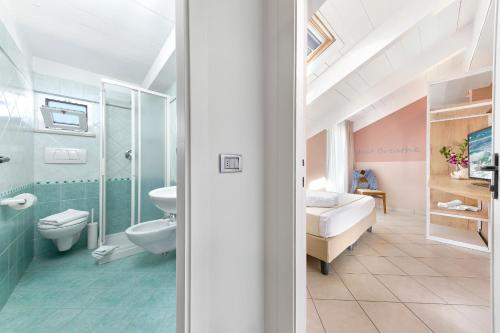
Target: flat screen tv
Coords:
[(480, 153)]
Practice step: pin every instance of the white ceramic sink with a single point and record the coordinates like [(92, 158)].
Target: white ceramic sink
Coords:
[(165, 198)]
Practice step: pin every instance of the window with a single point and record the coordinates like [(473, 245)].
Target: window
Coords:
[(319, 38), (64, 115)]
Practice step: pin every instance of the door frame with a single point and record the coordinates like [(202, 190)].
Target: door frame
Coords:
[(495, 212), (183, 239)]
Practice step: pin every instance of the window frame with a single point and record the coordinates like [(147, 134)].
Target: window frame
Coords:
[(317, 23), (48, 112)]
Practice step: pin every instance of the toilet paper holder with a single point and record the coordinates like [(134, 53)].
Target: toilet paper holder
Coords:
[(21, 201), (12, 201)]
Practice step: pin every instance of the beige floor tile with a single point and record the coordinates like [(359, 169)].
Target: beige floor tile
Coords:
[(370, 238), (361, 249), (394, 238), (344, 316), (412, 266), (388, 250), (478, 286), (393, 318), (381, 229), (480, 315), (348, 264), (420, 239), (416, 250), (408, 290), (380, 265), (327, 286), (445, 251), (366, 287), (450, 291), (458, 267), (443, 318), (468, 253), (308, 294), (313, 322)]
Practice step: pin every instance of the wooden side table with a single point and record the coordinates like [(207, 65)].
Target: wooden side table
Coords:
[(375, 194)]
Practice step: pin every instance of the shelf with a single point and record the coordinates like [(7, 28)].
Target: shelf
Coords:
[(462, 111), (462, 187), (463, 106), (481, 215), (454, 235)]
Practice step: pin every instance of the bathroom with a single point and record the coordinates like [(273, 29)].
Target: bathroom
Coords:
[(87, 166)]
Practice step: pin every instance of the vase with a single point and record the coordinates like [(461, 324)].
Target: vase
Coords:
[(460, 172)]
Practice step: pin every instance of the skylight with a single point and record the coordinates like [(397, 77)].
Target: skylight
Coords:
[(319, 38)]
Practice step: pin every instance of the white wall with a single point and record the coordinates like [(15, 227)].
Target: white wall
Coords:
[(241, 101)]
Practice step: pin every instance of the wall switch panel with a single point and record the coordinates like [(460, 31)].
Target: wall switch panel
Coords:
[(229, 163), (65, 155)]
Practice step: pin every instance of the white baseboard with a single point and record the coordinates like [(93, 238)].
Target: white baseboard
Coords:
[(408, 211)]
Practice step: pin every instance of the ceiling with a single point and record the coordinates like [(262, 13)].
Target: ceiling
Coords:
[(414, 52), (115, 38)]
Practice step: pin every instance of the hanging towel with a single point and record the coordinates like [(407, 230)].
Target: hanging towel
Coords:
[(103, 251), (67, 216)]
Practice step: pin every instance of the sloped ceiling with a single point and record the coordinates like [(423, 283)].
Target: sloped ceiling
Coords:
[(116, 38), (417, 55)]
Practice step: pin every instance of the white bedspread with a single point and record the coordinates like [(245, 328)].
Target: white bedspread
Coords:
[(330, 222)]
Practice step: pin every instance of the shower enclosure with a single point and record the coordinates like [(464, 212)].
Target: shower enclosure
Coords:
[(135, 154)]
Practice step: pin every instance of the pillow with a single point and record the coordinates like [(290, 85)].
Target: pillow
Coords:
[(321, 199)]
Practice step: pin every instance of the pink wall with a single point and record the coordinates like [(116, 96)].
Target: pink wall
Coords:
[(397, 137), (316, 158), (394, 148)]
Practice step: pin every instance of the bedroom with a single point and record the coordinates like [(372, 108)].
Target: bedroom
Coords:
[(399, 95)]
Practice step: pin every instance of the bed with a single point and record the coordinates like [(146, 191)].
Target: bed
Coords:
[(330, 230)]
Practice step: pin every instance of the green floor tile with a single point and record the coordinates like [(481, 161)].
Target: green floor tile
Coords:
[(69, 292)]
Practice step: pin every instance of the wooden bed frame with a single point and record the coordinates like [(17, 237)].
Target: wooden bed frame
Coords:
[(327, 249)]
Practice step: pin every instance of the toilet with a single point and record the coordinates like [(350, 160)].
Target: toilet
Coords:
[(63, 234), (156, 236)]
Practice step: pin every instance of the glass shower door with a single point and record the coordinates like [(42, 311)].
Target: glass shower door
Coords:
[(119, 150), (152, 153)]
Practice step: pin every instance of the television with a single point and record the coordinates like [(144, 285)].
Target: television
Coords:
[(480, 153)]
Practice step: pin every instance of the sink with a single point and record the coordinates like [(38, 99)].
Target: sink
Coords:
[(165, 198)]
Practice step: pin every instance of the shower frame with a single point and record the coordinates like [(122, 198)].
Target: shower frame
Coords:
[(136, 116)]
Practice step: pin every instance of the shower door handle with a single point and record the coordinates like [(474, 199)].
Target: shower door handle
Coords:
[(128, 154)]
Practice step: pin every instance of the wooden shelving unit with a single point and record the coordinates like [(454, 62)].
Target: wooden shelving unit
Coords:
[(457, 107), (462, 187)]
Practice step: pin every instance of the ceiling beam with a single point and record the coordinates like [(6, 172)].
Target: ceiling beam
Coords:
[(374, 43), (479, 25), (431, 57), (167, 51)]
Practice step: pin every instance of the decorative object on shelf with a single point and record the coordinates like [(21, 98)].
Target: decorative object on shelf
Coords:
[(459, 159)]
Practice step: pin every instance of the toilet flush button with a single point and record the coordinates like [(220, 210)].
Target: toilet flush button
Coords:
[(230, 163)]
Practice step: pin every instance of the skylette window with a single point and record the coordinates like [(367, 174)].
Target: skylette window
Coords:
[(65, 115), (319, 38)]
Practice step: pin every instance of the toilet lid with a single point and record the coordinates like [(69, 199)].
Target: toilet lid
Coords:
[(45, 226)]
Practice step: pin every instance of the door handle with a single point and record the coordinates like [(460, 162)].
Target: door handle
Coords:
[(493, 168)]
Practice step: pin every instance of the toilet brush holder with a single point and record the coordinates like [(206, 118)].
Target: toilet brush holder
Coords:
[(92, 235)]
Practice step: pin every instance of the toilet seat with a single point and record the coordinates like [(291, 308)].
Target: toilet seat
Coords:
[(43, 226)]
